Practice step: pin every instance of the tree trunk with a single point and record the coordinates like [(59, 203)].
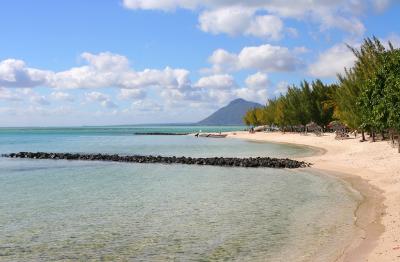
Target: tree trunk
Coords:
[(383, 135), (363, 135), (373, 135), (398, 142), (392, 136)]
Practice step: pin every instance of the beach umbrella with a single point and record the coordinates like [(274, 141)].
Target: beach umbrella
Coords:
[(313, 126), (298, 128), (336, 125)]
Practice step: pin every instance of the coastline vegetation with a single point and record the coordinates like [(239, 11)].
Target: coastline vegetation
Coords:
[(365, 98)]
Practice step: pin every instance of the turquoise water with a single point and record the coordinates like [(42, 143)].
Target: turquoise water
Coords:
[(61, 210)]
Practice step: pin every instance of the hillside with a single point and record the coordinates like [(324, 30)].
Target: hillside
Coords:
[(232, 114)]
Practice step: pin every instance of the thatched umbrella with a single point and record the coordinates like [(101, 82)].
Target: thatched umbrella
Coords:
[(298, 128), (336, 125), (312, 126)]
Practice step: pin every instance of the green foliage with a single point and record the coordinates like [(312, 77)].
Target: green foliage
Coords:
[(392, 91), (300, 105), (254, 117), (346, 108), (367, 95), (374, 65), (382, 93), (322, 102)]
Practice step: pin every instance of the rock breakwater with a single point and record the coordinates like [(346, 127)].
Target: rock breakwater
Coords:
[(251, 162), (159, 134)]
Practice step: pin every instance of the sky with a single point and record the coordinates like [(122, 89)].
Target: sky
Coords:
[(118, 62)]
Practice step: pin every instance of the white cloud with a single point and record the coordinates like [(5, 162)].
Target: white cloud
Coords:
[(268, 58), (39, 100), (33, 111), (301, 50), (14, 73), (221, 61), (128, 94), (265, 58), (103, 99), (108, 104), (172, 85), (232, 21), (257, 80), (266, 26), (352, 25), (61, 96), (112, 70), (101, 70), (255, 89), (240, 21), (238, 16), (332, 61), (216, 81), (23, 94), (106, 61), (223, 88), (381, 5), (8, 95), (96, 96), (252, 94), (166, 5), (146, 106)]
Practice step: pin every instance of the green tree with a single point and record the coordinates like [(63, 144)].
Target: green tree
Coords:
[(386, 85), (355, 100), (322, 102)]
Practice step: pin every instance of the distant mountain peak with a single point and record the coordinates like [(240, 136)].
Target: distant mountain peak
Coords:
[(231, 114), (239, 100)]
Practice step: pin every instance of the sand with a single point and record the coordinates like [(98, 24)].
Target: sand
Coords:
[(371, 168)]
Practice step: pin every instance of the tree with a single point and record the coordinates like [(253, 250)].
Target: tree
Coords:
[(255, 117), (322, 102), (356, 98), (388, 79), (346, 108)]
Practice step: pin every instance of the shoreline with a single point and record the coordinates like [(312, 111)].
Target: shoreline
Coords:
[(367, 216), (344, 159)]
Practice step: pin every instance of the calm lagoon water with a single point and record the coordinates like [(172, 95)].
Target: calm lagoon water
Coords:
[(61, 210)]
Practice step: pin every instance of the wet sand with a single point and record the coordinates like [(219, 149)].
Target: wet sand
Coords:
[(373, 169)]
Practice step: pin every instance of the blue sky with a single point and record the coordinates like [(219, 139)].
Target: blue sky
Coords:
[(158, 61)]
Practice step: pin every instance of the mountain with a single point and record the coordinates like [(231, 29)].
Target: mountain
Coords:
[(232, 114)]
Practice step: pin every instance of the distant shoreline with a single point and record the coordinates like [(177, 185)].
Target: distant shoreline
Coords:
[(126, 126), (362, 166)]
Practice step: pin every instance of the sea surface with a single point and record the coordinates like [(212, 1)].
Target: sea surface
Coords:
[(89, 211)]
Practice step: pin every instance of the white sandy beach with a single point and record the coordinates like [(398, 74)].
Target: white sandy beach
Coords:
[(379, 164)]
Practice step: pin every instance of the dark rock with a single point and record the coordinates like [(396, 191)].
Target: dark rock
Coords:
[(159, 134), (212, 161)]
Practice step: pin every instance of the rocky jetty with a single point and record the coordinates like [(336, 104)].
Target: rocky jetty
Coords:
[(159, 134), (210, 161)]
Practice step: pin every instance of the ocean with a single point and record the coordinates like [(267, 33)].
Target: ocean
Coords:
[(75, 210)]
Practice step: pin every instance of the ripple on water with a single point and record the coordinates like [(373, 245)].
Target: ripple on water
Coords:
[(110, 211)]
